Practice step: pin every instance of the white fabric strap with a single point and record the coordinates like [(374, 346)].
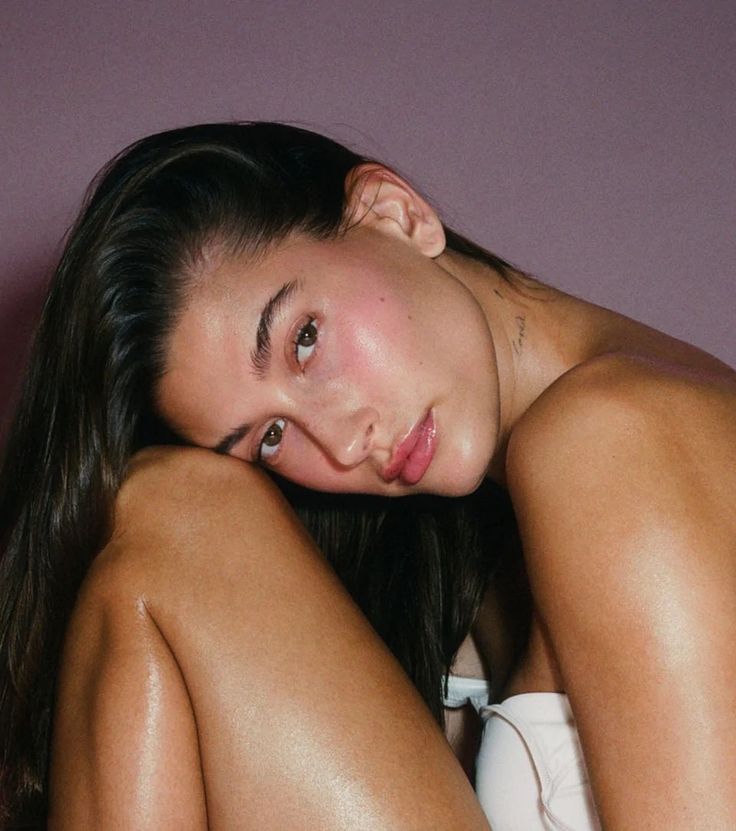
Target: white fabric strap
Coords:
[(462, 691)]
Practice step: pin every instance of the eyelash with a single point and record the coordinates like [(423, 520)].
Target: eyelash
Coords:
[(280, 423)]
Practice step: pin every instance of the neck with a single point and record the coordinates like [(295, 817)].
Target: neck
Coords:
[(538, 334)]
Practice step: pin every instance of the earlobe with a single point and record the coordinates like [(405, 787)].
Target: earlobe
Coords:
[(376, 195)]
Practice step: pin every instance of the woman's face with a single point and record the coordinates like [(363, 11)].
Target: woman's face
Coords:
[(353, 365)]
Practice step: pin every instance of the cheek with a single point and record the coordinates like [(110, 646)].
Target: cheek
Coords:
[(375, 337), (358, 355)]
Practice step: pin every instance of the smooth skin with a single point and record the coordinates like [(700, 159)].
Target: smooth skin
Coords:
[(216, 674)]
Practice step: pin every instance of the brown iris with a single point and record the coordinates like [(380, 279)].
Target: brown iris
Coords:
[(273, 435), (308, 335)]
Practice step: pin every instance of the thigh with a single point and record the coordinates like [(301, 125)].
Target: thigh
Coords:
[(303, 718)]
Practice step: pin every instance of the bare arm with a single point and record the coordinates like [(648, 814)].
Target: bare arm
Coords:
[(303, 718), (632, 563)]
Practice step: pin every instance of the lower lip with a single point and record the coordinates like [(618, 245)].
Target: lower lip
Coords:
[(421, 456)]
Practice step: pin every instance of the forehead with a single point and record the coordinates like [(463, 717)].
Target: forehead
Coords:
[(208, 349), (208, 352)]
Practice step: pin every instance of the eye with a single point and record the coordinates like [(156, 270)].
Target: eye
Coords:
[(305, 342), (271, 440)]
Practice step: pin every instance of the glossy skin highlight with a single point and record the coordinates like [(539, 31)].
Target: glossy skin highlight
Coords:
[(398, 335), (617, 444)]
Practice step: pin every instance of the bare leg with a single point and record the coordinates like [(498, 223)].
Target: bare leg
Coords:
[(215, 658)]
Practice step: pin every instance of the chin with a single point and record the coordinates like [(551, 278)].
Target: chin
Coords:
[(460, 482), (464, 474), (464, 488)]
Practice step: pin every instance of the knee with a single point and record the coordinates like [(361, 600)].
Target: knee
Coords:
[(167, 485), (166, 472), (205, 541), (177, 503)]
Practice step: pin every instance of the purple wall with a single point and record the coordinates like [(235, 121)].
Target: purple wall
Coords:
[(590, 142)]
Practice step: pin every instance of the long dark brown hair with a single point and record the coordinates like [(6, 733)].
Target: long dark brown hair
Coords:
[(418, 570)]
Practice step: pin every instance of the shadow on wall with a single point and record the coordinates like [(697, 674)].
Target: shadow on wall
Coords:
[(19, 316)]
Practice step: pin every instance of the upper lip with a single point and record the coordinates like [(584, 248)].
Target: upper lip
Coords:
[(401, 452)]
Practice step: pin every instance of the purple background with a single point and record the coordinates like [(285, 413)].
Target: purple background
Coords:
[(592, 143)]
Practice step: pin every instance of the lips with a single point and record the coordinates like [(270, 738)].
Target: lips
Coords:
[(412, 456)]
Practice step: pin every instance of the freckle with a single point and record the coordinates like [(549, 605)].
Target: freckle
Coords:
[(410, 317)]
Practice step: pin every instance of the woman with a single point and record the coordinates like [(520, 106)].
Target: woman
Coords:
[(262, 292)]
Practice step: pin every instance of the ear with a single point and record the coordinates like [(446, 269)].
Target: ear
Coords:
[(377, 196)]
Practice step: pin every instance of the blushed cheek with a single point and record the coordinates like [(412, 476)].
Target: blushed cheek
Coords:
[(374, 341), (357, 365)]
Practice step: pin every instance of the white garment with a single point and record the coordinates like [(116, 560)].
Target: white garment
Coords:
[(530, 773)]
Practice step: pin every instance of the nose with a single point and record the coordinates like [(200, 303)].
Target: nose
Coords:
[(347, 437)]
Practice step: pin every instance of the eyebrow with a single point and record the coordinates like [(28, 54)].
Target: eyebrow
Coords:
[(231, 439), (260, 357)]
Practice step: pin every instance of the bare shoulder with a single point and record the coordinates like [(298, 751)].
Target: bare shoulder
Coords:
[(626, 468), (622, 384), (622, 423), (623, 478)]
